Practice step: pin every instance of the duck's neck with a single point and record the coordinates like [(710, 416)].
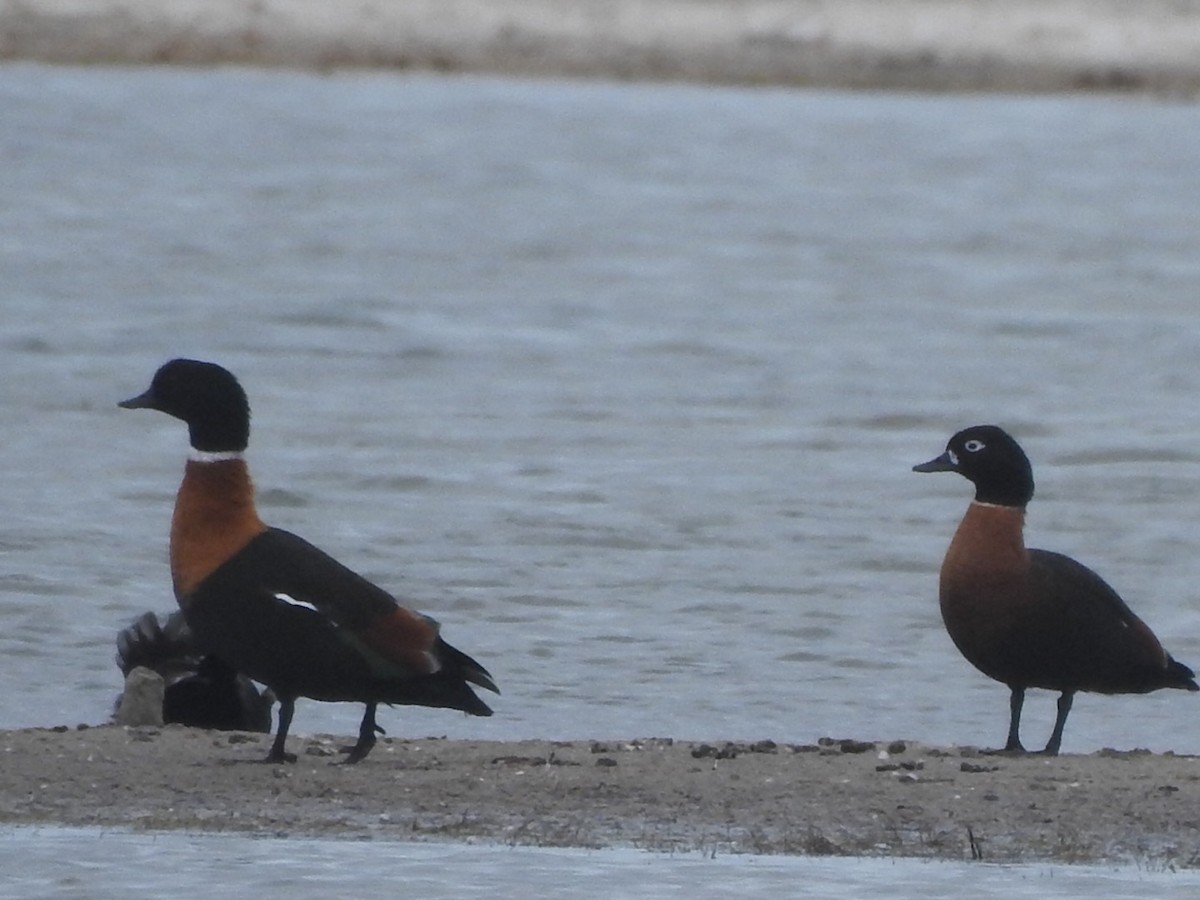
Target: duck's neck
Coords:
[(990, 538), (214, 517)]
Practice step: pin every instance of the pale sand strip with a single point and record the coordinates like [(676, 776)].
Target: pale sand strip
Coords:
[(923, 44), (838, 797)]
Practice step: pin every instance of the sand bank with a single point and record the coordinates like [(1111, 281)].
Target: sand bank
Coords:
[(1012, 45), (835, 797)]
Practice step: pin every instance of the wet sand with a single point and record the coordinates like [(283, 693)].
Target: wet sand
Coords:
[(836, 797), (1007, 45)]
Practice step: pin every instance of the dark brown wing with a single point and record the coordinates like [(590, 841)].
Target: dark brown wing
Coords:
[(1083, 636), (289, 615)]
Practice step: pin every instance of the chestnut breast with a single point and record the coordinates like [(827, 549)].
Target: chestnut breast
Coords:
[(214, 518), (983, 591)]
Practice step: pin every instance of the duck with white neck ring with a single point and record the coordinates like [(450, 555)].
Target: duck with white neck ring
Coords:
[(272, 605), (1034, 618)]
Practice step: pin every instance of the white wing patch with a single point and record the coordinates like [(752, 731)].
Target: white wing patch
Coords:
[(292, 601)]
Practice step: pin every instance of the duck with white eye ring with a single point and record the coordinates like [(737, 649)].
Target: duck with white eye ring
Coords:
[(1034, 618)]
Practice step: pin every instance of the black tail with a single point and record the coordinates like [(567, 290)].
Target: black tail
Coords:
[(458, 669), (448, 687), (458, 662), (1180, 675)]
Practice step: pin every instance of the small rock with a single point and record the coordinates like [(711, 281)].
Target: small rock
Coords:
[(708, 751), (1110, 753), (896, 747), (519, 761), (849, 746), (975, 767), (141, 702), (606, 761), (765, 746), (652, 743)]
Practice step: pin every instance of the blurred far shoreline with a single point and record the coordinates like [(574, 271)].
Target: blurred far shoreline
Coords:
[(1018, 46)]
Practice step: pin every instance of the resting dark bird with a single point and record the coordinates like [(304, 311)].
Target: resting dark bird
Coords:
[(273, 606), (200, 690), (1033, 618)]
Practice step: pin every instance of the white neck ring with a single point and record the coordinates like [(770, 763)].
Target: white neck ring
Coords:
[(214, 456)]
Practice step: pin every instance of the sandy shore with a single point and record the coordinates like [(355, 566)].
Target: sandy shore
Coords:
[(1012, 45), (835, 797)]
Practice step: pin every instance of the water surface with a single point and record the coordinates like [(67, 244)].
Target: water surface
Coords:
[(66, 863), (621, 383)]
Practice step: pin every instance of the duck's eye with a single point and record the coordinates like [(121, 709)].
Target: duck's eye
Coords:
[(973, 446)]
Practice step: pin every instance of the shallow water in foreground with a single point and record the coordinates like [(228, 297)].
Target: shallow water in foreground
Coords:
[(65, 862)]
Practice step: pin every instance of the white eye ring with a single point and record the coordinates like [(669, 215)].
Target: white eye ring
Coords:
[(974, 446)]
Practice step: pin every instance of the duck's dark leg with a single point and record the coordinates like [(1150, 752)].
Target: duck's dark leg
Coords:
[(1065, 699), (366, 736), (287, 706), (1015, 702)]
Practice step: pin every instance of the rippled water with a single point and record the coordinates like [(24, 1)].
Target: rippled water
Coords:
[(622, 383)]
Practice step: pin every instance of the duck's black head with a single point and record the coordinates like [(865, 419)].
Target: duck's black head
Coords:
[(992, 460), (205, 396)]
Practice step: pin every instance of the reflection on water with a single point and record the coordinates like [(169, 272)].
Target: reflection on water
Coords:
[(622, 383)]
